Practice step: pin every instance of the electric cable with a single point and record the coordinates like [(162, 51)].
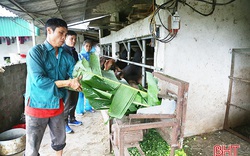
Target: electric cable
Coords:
[(159, 17), (166, 6), (217, 3), (213, 3), (169, 39), (210, 13)]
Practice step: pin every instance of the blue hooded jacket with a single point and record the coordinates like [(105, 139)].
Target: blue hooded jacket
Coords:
[(84, 54)]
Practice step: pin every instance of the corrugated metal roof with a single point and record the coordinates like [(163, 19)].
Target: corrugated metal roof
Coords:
[(6, 13), (115, 14), (15, 26)]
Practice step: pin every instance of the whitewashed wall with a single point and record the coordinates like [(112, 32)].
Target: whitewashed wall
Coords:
[(200, 55)]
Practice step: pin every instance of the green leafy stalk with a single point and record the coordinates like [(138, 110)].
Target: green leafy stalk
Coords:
[(152, 90), (104, 91)]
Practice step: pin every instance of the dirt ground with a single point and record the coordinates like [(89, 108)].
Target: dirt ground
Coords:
[(89, 139), (92, 139), (203, 145)]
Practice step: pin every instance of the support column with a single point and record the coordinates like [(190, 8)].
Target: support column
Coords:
[(143, 62), (129, 53), (18, 45), (33, 33)]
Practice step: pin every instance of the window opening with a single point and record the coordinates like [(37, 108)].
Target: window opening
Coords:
[(106, 50), (135, 57)]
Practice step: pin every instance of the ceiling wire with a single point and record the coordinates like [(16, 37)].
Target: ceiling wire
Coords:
[(204, 14), (214, 3), (173, 6)]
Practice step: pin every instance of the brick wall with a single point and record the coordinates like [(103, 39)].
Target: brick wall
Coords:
[(12, 88)]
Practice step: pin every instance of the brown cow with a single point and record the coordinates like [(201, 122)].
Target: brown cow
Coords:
[(131, 73)]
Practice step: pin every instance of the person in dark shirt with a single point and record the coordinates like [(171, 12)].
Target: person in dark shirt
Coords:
[(71, 100)]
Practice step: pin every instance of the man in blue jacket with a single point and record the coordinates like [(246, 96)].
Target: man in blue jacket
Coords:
[(71, 100), (48, 70)]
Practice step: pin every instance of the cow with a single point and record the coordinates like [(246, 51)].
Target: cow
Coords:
[(131, 73)]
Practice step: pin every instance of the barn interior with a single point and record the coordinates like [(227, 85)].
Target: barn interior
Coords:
[(209, 49)]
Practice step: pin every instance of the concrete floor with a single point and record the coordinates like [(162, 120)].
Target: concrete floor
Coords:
[(90, 139)]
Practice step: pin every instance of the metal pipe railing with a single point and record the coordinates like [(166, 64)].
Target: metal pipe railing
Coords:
[(134, 63)]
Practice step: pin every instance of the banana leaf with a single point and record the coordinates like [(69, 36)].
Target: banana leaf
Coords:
[(99, 82), (121, 101), (96, 100), (111, 75), (94, 63), (103, 94), (132, 109), (94, 93), (100, 104), (82, 65), (152, 90), (104, 91), (141, 100)]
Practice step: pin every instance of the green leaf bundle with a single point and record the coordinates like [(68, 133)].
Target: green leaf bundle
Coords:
[(105, 91)]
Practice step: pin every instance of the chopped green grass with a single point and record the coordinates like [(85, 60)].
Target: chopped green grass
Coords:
[(154, 145), (133, 151)]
